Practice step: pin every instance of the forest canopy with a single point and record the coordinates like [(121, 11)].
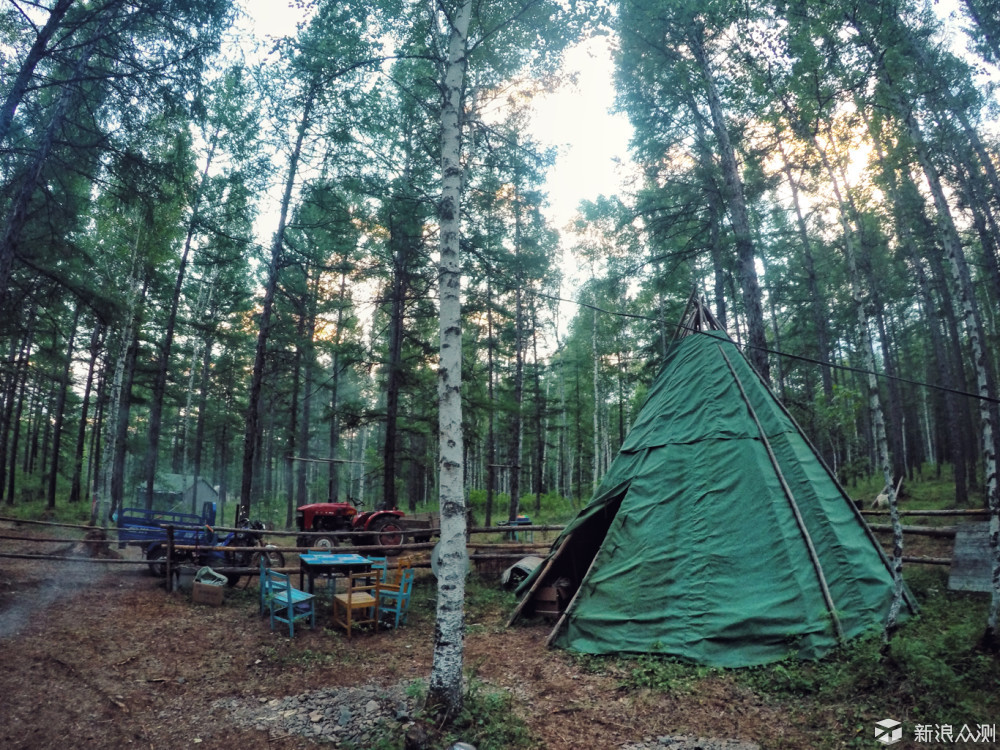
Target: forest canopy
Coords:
[(219, 254)]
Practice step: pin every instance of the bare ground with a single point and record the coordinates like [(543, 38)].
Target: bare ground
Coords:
[(101, 656)]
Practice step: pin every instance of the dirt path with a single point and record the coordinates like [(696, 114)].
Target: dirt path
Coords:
[(100, 656)]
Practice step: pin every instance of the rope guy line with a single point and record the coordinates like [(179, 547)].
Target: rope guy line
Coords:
[(775, 352)]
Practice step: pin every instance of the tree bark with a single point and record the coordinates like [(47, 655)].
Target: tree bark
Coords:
[(17, 217), (962, 280), (517, 432), (847, 213), (160, 383), (39, 48), (445, 693), (252, 435), (736, 200), (333, 492), (60, 413)]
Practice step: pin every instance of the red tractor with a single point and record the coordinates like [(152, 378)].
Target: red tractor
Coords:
[(383, 527)]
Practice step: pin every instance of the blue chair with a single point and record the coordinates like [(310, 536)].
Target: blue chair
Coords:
[(285, 603), (266, 587), (394, 601)]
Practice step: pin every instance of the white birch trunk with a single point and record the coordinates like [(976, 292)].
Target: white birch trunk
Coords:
[(102, 502), (594, 480), (445, 691), (973, 324), (874, 404)]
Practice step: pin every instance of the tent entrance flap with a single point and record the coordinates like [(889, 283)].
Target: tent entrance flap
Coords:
[(569, 565)]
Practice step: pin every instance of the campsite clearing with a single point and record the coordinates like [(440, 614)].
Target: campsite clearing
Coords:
[(104, 658)]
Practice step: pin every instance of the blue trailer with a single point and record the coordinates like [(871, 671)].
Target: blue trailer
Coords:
[(147, 529)]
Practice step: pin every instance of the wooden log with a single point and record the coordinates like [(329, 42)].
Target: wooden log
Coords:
[(63, 558), (943, 512), (936, 531), (538, 581), (170, 557), (927, 560)]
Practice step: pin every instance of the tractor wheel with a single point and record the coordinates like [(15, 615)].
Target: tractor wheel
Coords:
[(387, 532), (156, 557), (323, 542)]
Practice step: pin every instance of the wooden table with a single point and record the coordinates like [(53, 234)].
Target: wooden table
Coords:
[(330, 566)]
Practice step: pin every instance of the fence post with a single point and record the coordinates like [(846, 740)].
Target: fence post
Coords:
[(170, 557)]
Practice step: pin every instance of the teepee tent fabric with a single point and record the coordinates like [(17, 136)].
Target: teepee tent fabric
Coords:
[(717, 535)]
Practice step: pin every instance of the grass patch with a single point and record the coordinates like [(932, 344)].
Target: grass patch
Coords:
[(36, 509), (488, 720), (487, 606)]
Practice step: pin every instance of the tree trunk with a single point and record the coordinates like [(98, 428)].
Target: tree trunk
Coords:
[(595, 465), (17, 217), (517, 435), (252, 435), (333, 492), (540, 431), (736, 200), (817, 301), (491, 438), (38, 51), (199, 428), (160, 384), (15, 406), (400, 288), (305, 426), (973, 324), (846, 213), (445, 694), (60, 410)]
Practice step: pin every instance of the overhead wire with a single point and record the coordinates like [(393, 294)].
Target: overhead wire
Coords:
[(777, 353)]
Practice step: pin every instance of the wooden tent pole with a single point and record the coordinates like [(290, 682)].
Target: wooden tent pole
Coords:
[(914, 607), (680, 330), (813, 556), (538, 581), (559, 623)]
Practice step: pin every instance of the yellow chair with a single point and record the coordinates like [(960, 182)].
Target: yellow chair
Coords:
[(392, 575), (358, 604)]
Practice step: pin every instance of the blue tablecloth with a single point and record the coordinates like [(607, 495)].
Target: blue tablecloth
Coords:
[(322, 564)]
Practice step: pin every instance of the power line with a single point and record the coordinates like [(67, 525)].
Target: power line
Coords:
[(775, 352)]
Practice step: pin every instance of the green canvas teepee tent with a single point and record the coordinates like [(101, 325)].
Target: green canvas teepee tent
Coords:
[(717, 535)]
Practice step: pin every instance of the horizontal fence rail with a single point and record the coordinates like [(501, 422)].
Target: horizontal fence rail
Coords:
[(485, 551)]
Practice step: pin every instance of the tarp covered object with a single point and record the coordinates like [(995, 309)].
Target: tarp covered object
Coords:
[(711, 542)]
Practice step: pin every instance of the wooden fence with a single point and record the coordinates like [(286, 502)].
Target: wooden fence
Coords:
[(487, 554), (95, 546)]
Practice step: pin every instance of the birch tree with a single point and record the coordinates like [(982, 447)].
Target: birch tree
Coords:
[(445, 693)]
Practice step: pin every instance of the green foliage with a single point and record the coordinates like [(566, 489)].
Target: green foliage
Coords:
[(486, 603), (31, 504), (930, 671), (488, 720), (555, 509), (665, 674)]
